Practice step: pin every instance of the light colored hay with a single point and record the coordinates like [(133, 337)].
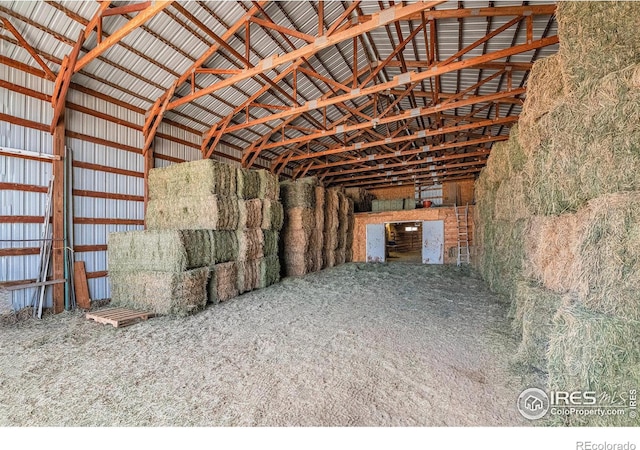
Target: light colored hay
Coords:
[(544, 89), (248, 183), (249, 213), (597, 38), (607, 278), (299, 219), (387, 205), (511, 200), (162, 251), (497, 167), (226, 282), (192, 179), (167, 293), (501, 258), (269, 271), (272, 215), (295, 264), (269, 185), (248, 275), (550, 249), (225, 246), (211, 212), (298, 194), (250, 244), (341, 256), (296, 240), (329, 257), (589, 146), (270, 239), (533, 310), (349, 255), (594, 352)]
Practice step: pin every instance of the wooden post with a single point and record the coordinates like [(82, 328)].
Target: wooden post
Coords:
[(58, 213), (149, 162)]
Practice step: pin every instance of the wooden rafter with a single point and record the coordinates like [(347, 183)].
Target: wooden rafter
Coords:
[(426, 149), (402, 79), (23, 42), (320, 43), (116, 37)]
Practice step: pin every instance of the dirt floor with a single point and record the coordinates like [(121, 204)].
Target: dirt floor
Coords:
[(413, 256), (367, 345)]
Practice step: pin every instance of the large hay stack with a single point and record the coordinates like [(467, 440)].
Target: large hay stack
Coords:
[(362, 199), (316, 227), (212, 234), (558, 215)]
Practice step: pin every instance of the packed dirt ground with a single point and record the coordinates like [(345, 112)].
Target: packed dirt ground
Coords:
[(356, 345)]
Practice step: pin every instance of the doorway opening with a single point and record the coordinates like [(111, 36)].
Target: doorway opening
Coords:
[(404, 242)]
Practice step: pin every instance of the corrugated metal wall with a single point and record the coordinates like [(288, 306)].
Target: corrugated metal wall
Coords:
[(113, 148)]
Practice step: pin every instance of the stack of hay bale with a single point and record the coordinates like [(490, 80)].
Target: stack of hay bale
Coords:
[(362, 199), (558, 209), (318, 227), (209, 238), (298, 232), (331, 224)]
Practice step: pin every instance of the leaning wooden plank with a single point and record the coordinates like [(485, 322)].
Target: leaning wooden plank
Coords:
[(82, 288)]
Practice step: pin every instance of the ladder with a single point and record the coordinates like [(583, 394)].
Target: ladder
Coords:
[(462, 221)]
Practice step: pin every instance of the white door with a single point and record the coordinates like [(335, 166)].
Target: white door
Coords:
[(433, 242), (376, 242)]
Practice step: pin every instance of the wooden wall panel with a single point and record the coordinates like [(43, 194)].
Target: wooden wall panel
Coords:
[(446, 214)]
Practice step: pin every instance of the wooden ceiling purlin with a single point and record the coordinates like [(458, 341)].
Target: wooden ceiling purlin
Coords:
[(405, 78), (296, 58), (424, 150), (412, 173), (426, 180)]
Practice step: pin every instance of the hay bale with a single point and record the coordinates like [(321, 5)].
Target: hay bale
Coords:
[(161, 251), (596, 38), (249, 213), (340, 256), (295, 263), (550, 249), (511, 199), (208, 212), (270, 239), (192, 179), (167, 293), (589, 146), (250, 244), (594, 352), (408, 204), (501, 257), (248, 275), (299, 219), (272, 215), (607, 272), (248, 183), (225, 246), (545, 89), (225, 285), (269, 185), (269, 272), (533, 309), (298, 194), (361, 198)]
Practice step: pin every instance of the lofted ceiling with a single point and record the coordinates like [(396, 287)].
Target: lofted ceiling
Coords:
[(358, 93)]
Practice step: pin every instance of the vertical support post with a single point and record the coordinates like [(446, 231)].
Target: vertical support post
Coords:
[(355, 62), (148, 165), (58, 214), (247, 37)]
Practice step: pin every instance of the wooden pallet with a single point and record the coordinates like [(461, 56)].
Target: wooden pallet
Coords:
[(118, 317)]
